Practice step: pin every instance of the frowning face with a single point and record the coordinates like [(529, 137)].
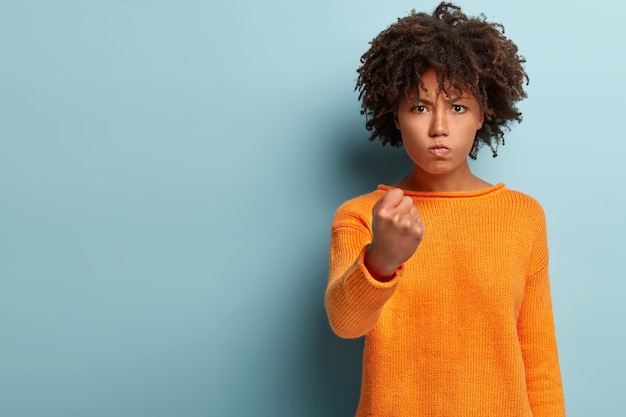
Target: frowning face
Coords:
[(438, 129)]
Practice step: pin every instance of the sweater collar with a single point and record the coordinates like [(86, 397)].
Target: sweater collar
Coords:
[(451, 194)]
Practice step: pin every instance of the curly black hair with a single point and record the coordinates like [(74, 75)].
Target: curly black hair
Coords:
[(466, 53)]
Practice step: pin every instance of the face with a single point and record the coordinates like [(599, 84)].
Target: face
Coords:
[(438, 130)]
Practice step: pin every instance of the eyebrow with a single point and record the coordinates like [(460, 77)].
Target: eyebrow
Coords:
[(450, 100)]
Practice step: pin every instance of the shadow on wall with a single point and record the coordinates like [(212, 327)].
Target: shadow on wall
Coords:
[(363, 164), (334, 364)]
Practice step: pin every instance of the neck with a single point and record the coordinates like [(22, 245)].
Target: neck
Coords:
[(462, 180)]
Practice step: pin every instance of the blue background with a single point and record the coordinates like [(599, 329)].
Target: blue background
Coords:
[(169, 171)]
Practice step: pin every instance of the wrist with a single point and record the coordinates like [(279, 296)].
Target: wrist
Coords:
[(379, 271)]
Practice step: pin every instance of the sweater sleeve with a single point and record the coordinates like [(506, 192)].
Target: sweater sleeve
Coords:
[(354, 298), (538, 338)]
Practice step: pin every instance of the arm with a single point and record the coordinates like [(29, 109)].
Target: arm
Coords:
[(354, 298), (538, 338), (365, 263)]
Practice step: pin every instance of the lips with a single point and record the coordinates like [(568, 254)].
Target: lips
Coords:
[(439, 150)]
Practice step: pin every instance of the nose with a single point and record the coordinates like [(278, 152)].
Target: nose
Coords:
[(439, 124)]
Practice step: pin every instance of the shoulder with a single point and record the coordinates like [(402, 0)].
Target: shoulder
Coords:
[(531, 222), (357, 210), (361, 202), (526, 208), (518, 199)]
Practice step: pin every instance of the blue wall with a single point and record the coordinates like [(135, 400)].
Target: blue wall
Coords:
[(169, 171)]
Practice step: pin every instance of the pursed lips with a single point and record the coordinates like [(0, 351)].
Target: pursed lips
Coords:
[(438, 150)]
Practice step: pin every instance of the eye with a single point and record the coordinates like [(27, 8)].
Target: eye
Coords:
[(419, 109), (458, 108)]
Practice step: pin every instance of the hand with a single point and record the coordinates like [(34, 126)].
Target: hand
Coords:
[(397, 231)]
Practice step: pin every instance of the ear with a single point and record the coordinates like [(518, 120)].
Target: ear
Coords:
[(395, 119), (481, 121)]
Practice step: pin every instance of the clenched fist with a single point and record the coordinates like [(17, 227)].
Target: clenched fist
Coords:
[(397, 232)]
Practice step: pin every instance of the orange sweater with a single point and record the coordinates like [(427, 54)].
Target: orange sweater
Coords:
[(465, 327)]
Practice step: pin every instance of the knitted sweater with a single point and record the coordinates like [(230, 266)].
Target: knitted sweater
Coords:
[(465, 327)]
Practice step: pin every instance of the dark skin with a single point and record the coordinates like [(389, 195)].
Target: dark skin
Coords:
[(398, 230)]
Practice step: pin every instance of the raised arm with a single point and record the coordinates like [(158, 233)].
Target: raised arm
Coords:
[(366, 261)]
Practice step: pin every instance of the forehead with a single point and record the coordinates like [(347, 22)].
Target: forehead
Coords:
[(432, 92), (430, 83)]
